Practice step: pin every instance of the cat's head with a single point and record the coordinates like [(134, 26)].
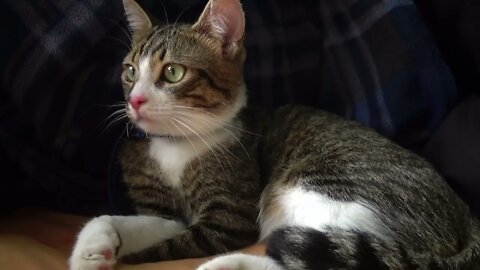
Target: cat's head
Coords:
[(181, 79)]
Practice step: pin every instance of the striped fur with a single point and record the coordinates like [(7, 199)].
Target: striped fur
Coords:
[(221, 215), (328, 193), (340, 196), (303, 248), (419, 222)]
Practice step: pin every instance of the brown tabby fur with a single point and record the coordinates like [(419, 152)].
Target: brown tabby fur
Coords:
[(221, 191)]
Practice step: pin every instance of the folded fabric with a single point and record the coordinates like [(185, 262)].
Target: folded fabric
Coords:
[(454, 25), (454, 147)]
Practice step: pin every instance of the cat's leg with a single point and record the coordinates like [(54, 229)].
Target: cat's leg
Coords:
[(310, 215), (240, 261), (106, 238)]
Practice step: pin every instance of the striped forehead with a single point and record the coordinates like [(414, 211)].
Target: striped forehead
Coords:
[(157, 41), (153, 44)]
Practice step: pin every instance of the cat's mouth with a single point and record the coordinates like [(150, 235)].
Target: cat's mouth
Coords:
[(151, 122), (170, 126), (153, 128), (175, 120), (149, 115), (138, 116)]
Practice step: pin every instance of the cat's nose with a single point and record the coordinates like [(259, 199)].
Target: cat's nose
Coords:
[(137, 101)]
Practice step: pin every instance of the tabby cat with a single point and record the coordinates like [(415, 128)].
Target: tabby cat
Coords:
[(213, 176)]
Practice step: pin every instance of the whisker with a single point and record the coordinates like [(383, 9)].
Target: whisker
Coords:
[(115, 113), (204, 141), (126, 129), (219, 122), (223, 148), (121, 42), (118, 104), (116, 120), (174, 25), (191, 143), (122, 27), (218, 125), (165, 12)]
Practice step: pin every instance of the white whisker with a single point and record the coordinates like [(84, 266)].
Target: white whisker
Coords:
[(204, 141), (209, 134), (217, 117), (121, 42), (218, 125), (114, 121), (123, 28), (165, 13), (191, 143)]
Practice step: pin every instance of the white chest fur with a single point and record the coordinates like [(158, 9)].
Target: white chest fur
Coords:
[(173, 156)]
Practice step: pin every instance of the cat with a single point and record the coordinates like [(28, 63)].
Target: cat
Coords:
[(212, 175)]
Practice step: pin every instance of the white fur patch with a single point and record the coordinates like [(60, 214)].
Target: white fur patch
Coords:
[(140, 232), (174, 155), (299, 207), (172, 158), (240, 261), (100, 238), (144, 85), (95, 240)]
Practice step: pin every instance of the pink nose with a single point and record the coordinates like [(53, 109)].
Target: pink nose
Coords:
[(137, 101)]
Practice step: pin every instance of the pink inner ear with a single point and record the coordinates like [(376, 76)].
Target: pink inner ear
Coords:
[(230, 14)]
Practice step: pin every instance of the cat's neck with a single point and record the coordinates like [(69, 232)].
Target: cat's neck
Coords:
[(174, 153), (198, 143)]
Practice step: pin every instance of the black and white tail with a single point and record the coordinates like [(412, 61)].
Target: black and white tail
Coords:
[(297, 248)]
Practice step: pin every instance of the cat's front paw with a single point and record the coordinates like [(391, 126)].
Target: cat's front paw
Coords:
[(96, 246), (240, 262), (228, 262)]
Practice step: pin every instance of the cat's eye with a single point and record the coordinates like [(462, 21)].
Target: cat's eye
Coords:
[(130, 74), (173, 73)]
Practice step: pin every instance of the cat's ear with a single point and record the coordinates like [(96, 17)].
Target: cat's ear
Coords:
[(137, 18), (224, 20)]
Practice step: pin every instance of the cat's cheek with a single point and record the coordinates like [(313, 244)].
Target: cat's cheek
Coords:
[(133, 115)]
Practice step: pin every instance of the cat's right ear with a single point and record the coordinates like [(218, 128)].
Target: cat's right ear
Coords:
[(137, 19)]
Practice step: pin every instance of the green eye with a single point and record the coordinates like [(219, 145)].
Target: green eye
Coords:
[(130, 74), (173, 73)]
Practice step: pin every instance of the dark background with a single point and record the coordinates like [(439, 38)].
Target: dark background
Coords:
[(60, 66)]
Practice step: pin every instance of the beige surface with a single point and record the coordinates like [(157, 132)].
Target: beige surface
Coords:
[(35, 239)]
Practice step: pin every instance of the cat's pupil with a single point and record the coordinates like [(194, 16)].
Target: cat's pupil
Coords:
[(171, 69)]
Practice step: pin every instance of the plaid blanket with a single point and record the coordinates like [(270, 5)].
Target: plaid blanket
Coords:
[(373, 61)]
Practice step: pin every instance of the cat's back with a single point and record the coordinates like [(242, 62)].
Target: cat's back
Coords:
[(346, 161), (327, 141), (295, 128)]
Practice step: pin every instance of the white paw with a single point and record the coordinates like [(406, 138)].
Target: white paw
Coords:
[(228, 262), (240, 262), (96, 246)]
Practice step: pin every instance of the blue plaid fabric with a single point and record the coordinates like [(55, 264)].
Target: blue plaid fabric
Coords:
[(373, 61)]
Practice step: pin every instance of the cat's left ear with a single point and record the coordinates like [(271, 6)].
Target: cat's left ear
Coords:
[(224, 20), (137, 19)]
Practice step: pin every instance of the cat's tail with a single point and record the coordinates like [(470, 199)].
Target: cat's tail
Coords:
[(296, 248)]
